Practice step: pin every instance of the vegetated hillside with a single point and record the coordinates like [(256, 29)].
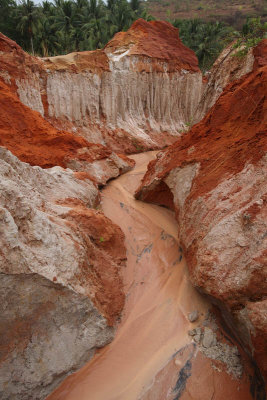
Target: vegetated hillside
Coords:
[(51, 29), (231, 12)]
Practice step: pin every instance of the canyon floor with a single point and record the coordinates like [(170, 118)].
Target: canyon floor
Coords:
[(152, 354)]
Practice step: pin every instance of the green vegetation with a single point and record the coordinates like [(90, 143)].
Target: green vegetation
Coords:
[(63, 26), (207, 39), (252, 33), (67, 25)]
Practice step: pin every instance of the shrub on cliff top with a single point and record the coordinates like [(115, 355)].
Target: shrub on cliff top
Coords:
[(252, 33)]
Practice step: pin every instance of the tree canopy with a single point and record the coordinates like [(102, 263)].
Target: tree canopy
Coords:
[(63, 26)]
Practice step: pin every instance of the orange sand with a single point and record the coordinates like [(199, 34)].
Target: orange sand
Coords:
[(158, 298)]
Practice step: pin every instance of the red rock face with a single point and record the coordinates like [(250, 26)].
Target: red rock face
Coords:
[(216, 178), (260, 54), (158, 40), (35, 141), (162, 350)]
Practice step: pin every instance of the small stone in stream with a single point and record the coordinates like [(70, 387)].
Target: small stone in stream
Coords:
[(197, 338), (193, 316), (198, 331), (209, 338), (192, 332)]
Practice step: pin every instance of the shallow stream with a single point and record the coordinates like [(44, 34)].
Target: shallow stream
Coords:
[(159, 296)]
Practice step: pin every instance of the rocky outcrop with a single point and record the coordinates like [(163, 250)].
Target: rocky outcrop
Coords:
[(215, 179), (60, 288), (145, 82), (37, 142), (60, 259), (228, 67)]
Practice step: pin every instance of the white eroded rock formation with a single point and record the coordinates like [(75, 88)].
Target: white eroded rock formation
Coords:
[(140, 92), (145, 82), (125, 99), (49, 323)]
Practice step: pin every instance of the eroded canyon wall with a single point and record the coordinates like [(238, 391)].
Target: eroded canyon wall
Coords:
[(139, 93), (143, 83), (215, 179), (228, 67), (60, 287), (35, 141), (60, 258)]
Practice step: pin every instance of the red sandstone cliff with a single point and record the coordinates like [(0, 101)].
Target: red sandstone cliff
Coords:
[(139, 93), (215, 179)]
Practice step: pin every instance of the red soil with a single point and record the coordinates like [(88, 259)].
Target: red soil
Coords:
[(106, 254), (35, 141), (155, 39), (91, 61), (15, 61), (232, 134), (260, 54)]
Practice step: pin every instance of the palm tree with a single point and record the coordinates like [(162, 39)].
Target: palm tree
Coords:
[(207, 39), (7, 22), (63, 20), (135, 4), (29, 19), (145, 15), (121, 15), (95, 24), (210, 45)]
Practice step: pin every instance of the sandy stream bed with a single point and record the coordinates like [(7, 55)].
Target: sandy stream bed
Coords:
[(152, 353)]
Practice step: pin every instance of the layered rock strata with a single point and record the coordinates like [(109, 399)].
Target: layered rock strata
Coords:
[(145, 82), (34, 140), (140, 92), (215, 179), (60, 288)]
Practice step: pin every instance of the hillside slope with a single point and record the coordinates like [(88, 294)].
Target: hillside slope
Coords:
[(231, 12)]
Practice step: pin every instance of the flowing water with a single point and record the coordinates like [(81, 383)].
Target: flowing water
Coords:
[(159, 296)]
